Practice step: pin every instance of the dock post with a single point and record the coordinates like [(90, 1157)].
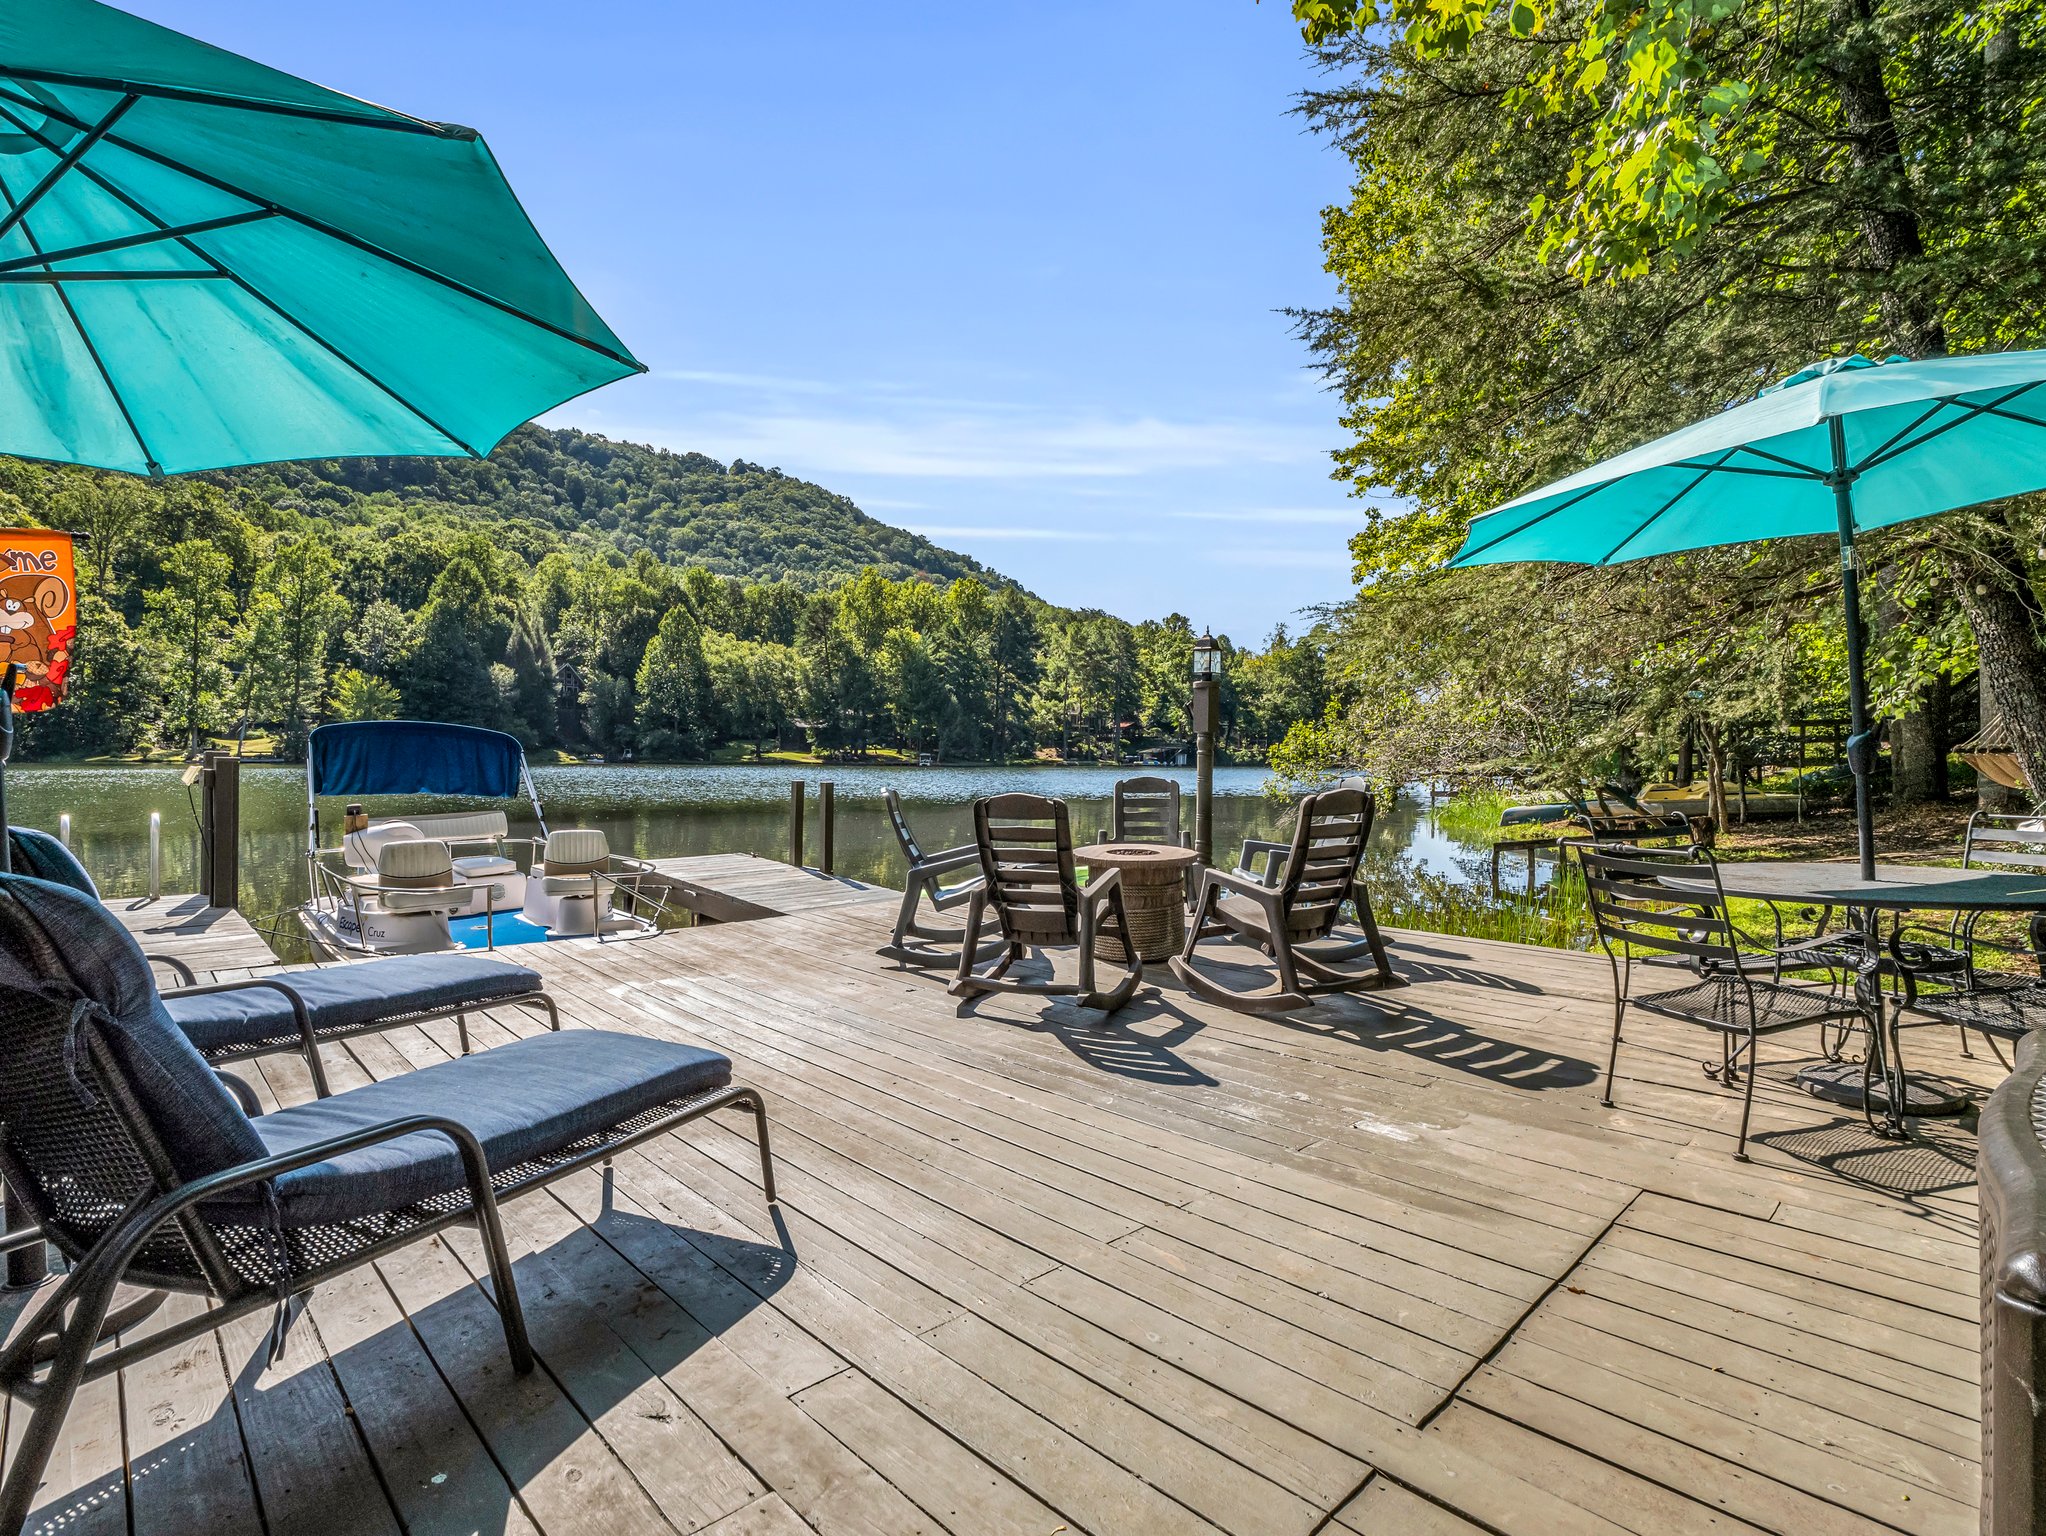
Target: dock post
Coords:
[(155, 854), (64, 829), (827, 816), (796, 823), (220, 806)]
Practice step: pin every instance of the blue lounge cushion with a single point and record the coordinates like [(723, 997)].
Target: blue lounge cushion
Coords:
[(46, 858), (201, 1127), (345, 997), (525, 1100)]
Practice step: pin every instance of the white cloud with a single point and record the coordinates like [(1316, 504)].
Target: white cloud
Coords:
[(915, 443), (1345, 516), (759, 382), (1072, 535), (1334, 562)]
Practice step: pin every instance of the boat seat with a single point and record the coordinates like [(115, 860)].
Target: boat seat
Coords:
[(485, 866), (577, 851), (417, 876), (362, 849), (464, 826), (571, 857)]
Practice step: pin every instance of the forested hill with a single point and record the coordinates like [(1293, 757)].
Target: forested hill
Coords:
[(736, 520)]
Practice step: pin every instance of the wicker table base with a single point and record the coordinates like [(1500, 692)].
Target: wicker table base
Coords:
[(1153, 893)]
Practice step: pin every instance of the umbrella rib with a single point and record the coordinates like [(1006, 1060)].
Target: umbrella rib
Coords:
[(112, 275), (85, 339), (129, 242), (70, 157), (1744, 469), (182, 237), (327, 346), (1804, 470), (335, 232), (1563, 506), (1894, 449), (1875, 456), (1704, 472), (398, 122)]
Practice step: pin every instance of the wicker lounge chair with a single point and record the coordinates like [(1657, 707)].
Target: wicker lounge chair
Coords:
[(1639, 919), (1290, 912), (137, 1164), (1025, 843), (914, 941)]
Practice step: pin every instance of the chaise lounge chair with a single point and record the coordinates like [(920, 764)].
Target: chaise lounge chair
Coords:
[(137, 1164), (1290, 915), (300, 1010), (1026, 861), (45, 857)]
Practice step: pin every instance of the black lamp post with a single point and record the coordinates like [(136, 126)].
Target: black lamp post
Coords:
[(1207, 673)]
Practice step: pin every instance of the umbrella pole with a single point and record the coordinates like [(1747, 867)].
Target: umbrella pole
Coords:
[(1860, 736)]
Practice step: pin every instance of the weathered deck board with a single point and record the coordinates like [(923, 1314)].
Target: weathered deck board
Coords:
[(184, 927), (1382, 1266)]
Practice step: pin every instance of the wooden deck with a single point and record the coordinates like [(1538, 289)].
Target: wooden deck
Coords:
[(205, 938), (1385, 1266)]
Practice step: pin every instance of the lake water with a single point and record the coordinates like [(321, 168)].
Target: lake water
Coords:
[(1420, 876)]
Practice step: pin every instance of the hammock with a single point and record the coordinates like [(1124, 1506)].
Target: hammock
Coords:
[(1988, 752)]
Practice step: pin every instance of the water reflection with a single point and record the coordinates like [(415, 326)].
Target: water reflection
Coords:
[(1423, 876)]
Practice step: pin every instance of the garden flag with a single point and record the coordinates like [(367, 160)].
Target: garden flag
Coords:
[(38, 612)]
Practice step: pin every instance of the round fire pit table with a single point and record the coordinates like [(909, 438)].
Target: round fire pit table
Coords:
[(1153, 893)]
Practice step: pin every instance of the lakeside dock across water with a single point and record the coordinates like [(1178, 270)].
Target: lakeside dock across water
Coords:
[(1381, 1266)]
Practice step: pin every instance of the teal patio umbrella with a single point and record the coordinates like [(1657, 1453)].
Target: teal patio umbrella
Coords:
[(207, 262), (1844, 445)]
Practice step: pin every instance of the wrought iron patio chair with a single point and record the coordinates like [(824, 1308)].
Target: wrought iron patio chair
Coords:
[(1641, 920), (138, 1166), (1025, 846), (1293, 919), (915, 940), (2008, 988)]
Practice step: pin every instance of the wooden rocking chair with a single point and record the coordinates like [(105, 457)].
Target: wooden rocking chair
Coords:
[(1291, 920), (1025, 844), (913, 940)]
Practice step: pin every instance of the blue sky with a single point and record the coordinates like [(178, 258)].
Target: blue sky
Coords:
[(1007, 275)]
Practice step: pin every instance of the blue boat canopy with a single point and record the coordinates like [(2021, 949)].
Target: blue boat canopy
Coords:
[(414, 757)]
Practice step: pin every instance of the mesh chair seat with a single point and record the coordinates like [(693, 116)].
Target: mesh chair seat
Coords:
[(1722, 1002), (345, 999), (2007, 1006)]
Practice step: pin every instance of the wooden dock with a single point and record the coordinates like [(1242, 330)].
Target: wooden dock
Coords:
[(1381, 1267)]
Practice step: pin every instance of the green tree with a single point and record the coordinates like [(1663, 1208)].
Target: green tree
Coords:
[(1519, 299), (360, 695), (115, 689), (187, 620), (297, 589), (752, 686), (674, 689)]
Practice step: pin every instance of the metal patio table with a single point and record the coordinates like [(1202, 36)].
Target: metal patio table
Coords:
[(1895, 888)]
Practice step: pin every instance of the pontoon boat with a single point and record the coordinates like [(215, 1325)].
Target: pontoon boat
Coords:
[(415, 884)]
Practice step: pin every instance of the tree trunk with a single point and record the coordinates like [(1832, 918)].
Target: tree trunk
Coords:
[(1918, 753), (2006, 619), (1715, 775), (1889, 222)]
